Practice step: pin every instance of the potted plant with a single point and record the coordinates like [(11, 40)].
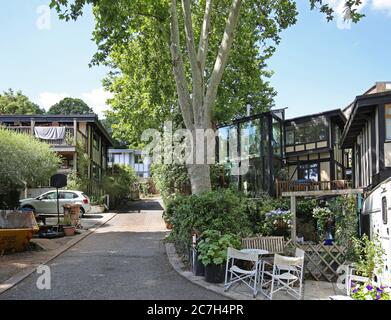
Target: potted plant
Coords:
[(212, 251), (68, 228)]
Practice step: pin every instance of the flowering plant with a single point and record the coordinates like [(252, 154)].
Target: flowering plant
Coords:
[(369, 291), (277, 216)]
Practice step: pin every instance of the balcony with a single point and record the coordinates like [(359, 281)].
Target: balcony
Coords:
[(310, 185), (67, 141)]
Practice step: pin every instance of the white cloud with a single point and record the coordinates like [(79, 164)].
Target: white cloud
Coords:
[(342, 14), (382, 5), (96, 99), (47, 99), (340, 11)]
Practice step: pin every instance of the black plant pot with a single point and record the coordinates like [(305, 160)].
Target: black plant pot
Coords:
[(197, 267), (214, 273)]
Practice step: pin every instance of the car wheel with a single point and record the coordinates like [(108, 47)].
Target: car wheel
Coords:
[(82, 212)]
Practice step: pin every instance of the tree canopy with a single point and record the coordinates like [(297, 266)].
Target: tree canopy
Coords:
[(12, 102), (70, 106), (142, 40)]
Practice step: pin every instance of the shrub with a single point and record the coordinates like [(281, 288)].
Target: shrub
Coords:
[(119, 185), (213, 246), (369, 256), (222, 211)]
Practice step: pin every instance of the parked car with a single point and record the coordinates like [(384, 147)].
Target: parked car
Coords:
[(47, 202)]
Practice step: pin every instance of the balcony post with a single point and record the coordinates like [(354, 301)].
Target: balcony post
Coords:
[(74, 131), (32, 125), (293, 215)]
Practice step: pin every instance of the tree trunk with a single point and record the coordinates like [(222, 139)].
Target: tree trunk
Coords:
[(199, 175)]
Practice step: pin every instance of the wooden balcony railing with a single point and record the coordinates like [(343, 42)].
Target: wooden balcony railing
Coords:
[(309, 185), (68, 139)]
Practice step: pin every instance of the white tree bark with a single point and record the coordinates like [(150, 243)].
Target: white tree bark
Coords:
[(197, 108)]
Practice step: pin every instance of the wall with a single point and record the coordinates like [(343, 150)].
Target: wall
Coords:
[(325, 171)]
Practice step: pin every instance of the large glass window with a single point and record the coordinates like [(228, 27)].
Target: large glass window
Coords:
[(307, 132), (276, 142), (250, 138), (387, 115), (223, 144), (309, 172)]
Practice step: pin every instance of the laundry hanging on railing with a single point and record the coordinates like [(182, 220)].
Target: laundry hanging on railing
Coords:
[(50, 133)]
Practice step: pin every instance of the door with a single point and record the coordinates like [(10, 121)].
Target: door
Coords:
[(47, 203), (67, 197)]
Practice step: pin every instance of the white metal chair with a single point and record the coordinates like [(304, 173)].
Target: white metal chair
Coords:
[(286, 273), (234, 274)]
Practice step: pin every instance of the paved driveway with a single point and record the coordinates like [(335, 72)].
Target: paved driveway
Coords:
[(124, 259)]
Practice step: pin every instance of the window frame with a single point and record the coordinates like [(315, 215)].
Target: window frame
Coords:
[(387, 115), (384, 210)]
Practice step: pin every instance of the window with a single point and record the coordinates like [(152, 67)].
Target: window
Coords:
[(387, 115), (138, 159), (250, 138), (309, 172), (307, 132), (384, 210), (96, 141), (68, 195), (49, 196), (223, 144), (290, 136)]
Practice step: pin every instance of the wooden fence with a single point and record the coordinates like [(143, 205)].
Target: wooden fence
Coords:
[(321, 261)]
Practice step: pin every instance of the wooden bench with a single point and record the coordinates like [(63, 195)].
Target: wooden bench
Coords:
[(271, 244)]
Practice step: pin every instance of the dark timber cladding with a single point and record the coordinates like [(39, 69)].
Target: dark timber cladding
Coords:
[(312, 147), (257, 139), (368, 133)]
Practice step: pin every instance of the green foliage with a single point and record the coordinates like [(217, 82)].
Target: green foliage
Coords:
[(324, 217), (346, 219), (369, 256), (17, 103), (257, 210), (66, 220), (218, 210), (70, 106), (23, 160), (350, 9), (213, 246), (170, 179), (119, 185), (79, 180), (305, 207)]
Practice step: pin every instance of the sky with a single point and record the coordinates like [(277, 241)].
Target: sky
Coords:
[(318, 66)]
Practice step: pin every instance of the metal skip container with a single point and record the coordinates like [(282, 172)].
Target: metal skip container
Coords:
[(16, 230)]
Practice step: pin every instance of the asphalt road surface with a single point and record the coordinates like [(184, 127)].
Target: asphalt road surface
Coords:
[(124, 259)]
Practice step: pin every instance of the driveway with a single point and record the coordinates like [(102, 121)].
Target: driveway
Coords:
[(124, 259)]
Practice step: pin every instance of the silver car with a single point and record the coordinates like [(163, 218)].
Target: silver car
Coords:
[(47, 202)]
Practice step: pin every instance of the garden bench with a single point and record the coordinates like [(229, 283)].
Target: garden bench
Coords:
[(271, 244)]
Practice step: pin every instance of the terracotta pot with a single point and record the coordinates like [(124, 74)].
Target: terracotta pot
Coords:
[(69, 230), (169, 225)]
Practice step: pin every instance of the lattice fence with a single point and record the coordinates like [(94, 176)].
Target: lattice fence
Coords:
[(322, 261)]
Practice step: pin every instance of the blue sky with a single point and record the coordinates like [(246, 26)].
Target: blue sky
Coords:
[(318, 65)]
